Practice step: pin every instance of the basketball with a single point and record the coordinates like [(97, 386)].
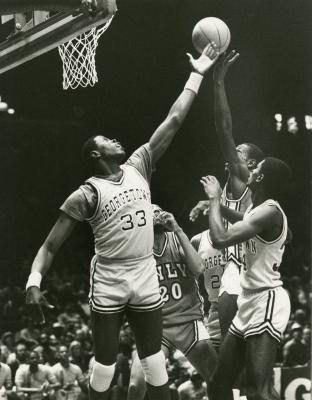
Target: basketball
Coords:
[(208, 30)]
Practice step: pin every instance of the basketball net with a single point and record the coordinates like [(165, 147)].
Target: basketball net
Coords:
[(78, 57)]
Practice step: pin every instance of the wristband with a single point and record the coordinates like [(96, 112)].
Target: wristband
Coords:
[(34, 279), (194, 82)]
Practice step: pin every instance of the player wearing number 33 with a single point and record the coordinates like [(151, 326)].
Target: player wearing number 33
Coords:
[(178, 265), (116, 201)]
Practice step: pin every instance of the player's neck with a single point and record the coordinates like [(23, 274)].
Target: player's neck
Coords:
[(108, 170), (258, 197)]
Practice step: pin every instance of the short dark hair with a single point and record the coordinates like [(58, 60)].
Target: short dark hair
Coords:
[(254, 152), (277, 177), (88, 146)]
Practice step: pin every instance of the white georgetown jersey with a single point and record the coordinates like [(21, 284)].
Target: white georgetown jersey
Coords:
[(214, 262), (234, 253), (122, 223), (262, 258)]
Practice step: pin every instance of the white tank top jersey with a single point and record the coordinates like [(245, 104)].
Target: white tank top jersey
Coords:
[(262, 258), (214, 262), (120, 213), (123, 220), (235, 253)]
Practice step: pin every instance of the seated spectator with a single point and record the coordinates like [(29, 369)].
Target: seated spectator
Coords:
[(70, 377), (17, 358), (70, 316), (30, 334), (306, 339), (7, 345), (47, 353), (35, 381), (77, 356), (194, 388), (295, 352), (5, 381)]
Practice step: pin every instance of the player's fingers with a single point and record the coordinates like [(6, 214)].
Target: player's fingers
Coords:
[(234, 58), (34, 311), (45, 303), (190, 57)]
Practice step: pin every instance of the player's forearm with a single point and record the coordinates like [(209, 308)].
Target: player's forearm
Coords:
[(164, 134), (192, 258), (28, 390), (43, 260), (231, 215), (218, 233), (223, 122)]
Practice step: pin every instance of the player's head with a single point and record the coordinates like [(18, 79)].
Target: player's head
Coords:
[(274, 176), (249, 153), (99, 147), (158, 228)]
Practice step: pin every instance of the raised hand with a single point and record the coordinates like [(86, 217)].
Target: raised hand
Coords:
[(168, 221), (223, 64), (35, 299), (201, 207), (211, 187), (208, 57)]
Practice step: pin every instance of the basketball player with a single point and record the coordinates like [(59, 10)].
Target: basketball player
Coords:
[(116, 202), (236, 195), (178, 265), (85, 6), (263, 305), (214, 262)]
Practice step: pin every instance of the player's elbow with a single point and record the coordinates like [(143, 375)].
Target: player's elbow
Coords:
[(218, 243), (175, 121)]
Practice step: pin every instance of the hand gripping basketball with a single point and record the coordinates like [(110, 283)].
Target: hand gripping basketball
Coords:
[(223, 64), (35, 299), (208, 57)]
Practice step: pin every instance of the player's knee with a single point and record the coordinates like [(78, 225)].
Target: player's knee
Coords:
[(154, 368), (101, 376)]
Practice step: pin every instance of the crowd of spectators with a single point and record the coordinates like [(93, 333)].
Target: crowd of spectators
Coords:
[(54, 360)]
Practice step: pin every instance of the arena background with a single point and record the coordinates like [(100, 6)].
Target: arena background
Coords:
[(142, 68)]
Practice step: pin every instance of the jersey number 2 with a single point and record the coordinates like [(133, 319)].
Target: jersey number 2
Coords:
[(129, 220)]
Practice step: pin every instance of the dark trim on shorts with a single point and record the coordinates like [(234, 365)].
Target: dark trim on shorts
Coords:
[(270, 306), (195, 338), (107, 309), (236, 332), (167, 343), (146, 307)]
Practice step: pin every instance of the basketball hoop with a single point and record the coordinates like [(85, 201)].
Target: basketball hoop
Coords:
[(78, 57)]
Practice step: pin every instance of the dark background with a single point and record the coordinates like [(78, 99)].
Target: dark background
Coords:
[(142, 67)]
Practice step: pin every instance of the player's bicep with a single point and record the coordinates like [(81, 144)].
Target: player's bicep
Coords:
[(60, 232)]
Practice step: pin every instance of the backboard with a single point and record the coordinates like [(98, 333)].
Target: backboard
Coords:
[(38, 32)]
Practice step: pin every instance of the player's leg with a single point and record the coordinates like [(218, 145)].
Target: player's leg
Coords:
[(147, 328), (260, 358), (105, 332), (227, 308), (230, 364), (137, 385)]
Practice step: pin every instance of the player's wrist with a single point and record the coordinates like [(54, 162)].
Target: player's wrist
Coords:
[(178, 229), (34, 279), (194, 82)]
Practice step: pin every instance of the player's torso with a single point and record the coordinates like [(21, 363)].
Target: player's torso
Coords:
[(178, 286), (235, 253), (123, 220), (262, 258), (214, 262)]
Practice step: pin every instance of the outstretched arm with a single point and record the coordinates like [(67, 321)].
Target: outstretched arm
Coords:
[(164, 134), (42, 262), (202, 207), (223, 119), (240, 231)]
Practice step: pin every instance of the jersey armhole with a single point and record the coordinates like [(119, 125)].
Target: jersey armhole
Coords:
[(92, 212)]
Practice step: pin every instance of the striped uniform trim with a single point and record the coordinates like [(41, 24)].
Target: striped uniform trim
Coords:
[(107, 309), (195, 338), (264, 327), (236, 332), (99, 197), (167, 343), (146, 307), (270, 306)]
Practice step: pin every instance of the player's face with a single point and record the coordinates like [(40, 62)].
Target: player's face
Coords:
[(158, 228), (109, 148), (242, 152), (255, 175)]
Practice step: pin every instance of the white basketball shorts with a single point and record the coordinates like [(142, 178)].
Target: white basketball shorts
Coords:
[(261, 311), (115, 287), (230, 280)]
